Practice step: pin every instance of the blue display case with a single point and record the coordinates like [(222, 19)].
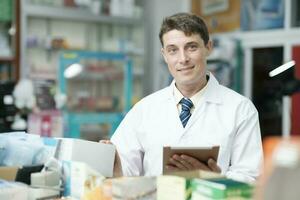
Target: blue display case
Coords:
[(98, 96), (262, 14)]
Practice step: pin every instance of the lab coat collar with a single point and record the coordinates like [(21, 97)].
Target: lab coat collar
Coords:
[(210, 94)]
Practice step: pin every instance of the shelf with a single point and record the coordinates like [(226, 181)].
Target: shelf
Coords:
[(76, 14), (133, 53), (88, 117), (43, 75), (112, 76), (6, 59), (268, 37)]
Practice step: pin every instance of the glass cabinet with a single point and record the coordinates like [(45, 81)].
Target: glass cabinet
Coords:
[(98, 87)]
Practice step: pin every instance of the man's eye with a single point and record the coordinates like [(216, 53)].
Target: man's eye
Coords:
[(192, 47), (172, 50)]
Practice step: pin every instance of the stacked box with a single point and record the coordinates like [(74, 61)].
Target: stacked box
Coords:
[(221, 189), (177, 185)]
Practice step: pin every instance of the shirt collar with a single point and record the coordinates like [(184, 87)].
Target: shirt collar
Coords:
[(195, 98), (210, 92)]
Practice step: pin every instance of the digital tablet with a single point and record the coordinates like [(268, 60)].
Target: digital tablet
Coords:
[(200, 153)]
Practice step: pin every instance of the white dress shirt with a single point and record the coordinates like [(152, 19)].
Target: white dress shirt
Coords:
[(195, 98), (223, 118)]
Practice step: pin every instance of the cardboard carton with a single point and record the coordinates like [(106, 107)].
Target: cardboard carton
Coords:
[(98, 156)]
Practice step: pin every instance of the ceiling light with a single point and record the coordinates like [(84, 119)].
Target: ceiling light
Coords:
[(73, 70), (282, 68)]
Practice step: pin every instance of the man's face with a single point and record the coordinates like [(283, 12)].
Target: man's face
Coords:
[(186, 57)]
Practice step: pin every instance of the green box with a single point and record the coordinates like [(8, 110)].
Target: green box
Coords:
[(221, 189), (6, 10)]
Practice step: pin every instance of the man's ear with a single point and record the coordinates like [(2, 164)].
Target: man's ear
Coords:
[(209, 47)]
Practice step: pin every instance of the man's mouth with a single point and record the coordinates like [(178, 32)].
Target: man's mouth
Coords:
[(185, 68)]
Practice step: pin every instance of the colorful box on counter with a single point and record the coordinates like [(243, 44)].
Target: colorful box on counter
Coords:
[(177, 185), (221, 188), (98, 156)]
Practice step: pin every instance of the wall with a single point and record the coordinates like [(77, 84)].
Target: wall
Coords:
[(156, 72)]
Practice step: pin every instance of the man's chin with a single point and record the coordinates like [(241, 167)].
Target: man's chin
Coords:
[(187, 82)]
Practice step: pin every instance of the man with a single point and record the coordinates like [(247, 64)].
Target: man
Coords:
[(193, 111)]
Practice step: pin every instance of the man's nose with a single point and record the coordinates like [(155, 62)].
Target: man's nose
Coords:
[(184, 57)]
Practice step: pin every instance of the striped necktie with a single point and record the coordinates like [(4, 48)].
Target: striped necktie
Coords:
[(186, 105)]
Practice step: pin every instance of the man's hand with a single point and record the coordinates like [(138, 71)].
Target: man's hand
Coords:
[(106, 142), (117, 164), (185, 163)]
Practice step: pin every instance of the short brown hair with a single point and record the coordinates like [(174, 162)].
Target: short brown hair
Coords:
[(185, 22)]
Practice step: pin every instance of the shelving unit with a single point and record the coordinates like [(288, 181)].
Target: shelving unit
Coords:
[(85, 114), (255, 74), (10, 64), (76, 14), (76, 29), (48, 30), (287, 39)]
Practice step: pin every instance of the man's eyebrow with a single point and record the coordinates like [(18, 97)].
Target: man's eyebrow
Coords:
[(170, 46), (192, 42)]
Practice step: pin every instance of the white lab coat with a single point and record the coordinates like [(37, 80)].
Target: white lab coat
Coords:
[(223, 118)]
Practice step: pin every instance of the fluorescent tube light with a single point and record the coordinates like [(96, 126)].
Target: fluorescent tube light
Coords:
[(282, 68), (73, 70)]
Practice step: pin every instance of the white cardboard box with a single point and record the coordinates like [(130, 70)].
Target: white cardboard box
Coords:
[(80, 179), (98, 156)]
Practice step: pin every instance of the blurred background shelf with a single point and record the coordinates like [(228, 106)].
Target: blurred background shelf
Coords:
[(76, 14), (6, 59), (99, 96)]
